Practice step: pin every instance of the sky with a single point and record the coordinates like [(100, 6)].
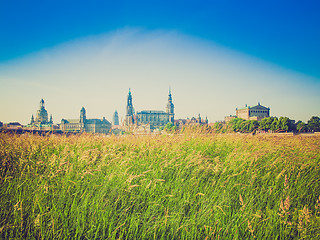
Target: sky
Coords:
[(215, 55)]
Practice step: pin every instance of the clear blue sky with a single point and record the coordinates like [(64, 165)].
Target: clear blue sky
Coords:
[(286, 33), (216, 55)]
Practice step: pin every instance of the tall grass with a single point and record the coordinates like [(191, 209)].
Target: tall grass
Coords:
[(160, 187)]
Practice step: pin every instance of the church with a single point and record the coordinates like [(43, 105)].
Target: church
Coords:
[(41, 117), (154, 118), (41, 122)]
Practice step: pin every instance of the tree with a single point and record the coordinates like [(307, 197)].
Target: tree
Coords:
[(275, 124), (254, 125), (249, 126), (235, 124), (217, 126), (170, 128), (301, 126), (284, 124), (265, 123), (314, 124), (245, 126)]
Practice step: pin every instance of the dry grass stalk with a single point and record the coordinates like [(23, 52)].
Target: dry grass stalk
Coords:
[(243, 205), (250, 228), (304, 219), (317, 206)]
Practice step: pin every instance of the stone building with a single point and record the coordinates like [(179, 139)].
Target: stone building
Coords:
[(83, 124), (154, 118), (257, 112)]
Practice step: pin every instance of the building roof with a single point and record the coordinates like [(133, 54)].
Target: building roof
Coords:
[(70, 120), (254, 107), (14, 124), (151, 112)]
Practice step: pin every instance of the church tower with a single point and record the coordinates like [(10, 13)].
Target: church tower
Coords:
[(170, 108), (83, 117), (130, 111), (32, 120), (129, 104), (115, 119)]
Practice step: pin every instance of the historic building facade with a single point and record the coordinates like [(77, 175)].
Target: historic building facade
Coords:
[(257, 112), (42, 116), (154, 118), (83, 124)]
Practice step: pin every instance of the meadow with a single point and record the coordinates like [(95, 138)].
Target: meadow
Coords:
[(190, 186)]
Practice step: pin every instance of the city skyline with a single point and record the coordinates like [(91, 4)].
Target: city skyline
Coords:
[(216, 57)]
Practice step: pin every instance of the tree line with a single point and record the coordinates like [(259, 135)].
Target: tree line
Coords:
[(269, 124)]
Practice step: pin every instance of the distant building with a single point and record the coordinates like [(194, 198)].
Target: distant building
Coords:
[(42, 116), (191, 122), (12, 126), (129, 119), (41, 121), (257, 112), (115, 118), (1, 124), (83, 124), (154, 118), (229, 118)]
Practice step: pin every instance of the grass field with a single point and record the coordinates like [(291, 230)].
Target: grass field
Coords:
[(160, 187)]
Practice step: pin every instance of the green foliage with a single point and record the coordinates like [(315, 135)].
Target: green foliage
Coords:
[(218, 127), (235, 124), (159, 187), (266, 123), (314, 124), (249, 126), (275, 125), (284, 124), (170, 128), (301, 126)]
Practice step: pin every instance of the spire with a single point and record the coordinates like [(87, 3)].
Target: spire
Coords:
[(170, 107), (32, 120), (169, 96), (199, 118), (129, 104), (115, 119), (41, 103), (130, 110), (51, 121)]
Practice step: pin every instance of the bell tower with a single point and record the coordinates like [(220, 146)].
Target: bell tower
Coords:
[(170, 107), (83, 117), (130, 110), (115, 119)]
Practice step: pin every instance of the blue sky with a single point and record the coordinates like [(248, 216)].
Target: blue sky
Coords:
[(278, 38)]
